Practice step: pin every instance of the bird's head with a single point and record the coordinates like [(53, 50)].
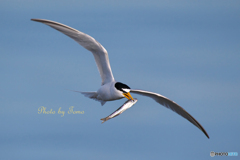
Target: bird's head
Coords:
[(124, 89)]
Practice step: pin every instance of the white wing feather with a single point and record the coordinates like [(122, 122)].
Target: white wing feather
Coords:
[(99, 52), (171, 105)]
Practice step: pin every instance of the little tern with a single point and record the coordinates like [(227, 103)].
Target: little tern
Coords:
[(110, 89)]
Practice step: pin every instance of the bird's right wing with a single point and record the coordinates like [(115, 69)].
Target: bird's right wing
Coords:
[(171, 105), (99, 52)]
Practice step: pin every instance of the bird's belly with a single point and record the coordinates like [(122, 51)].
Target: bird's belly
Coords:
[(106, 96), (112, 98)]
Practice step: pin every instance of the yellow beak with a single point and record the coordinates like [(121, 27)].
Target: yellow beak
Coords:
[(128, 95)]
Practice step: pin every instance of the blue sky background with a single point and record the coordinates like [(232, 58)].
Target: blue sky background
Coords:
[(188, 51)]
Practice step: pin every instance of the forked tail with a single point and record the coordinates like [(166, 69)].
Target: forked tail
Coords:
[(92, 95)]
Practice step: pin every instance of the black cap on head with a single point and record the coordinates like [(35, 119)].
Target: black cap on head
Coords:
[(120, 86)]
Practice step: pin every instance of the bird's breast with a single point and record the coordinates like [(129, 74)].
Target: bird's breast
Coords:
[(108, 92)]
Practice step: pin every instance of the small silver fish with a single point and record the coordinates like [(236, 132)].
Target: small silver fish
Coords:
[(128, 104)]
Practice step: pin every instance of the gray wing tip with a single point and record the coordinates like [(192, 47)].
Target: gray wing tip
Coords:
[(46, 21), (37, 20), (50, 23), (206, 134), (42, 20)]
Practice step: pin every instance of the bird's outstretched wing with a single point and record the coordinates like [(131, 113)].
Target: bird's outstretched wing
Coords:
[(99, 52), (171, 105)]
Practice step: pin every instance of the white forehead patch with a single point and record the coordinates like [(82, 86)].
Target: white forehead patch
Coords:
[(126, 90)]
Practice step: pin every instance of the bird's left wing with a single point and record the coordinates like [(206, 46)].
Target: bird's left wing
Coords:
[(99, 52), (171, 105)]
